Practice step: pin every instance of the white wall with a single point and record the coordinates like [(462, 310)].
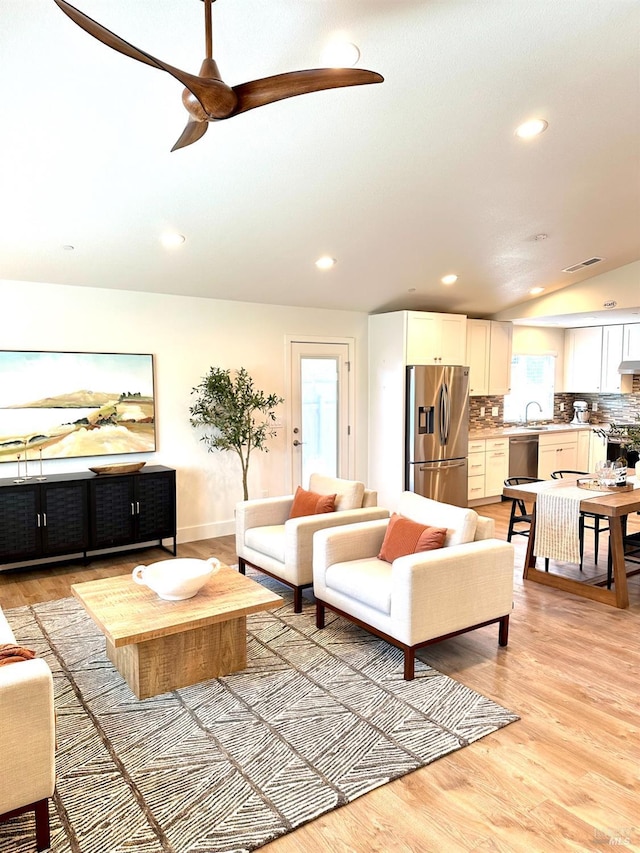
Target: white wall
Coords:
[(186, 335)]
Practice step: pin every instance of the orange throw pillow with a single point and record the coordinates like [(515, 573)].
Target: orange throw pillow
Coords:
[(11, 653), (311, 503), (404, 537)]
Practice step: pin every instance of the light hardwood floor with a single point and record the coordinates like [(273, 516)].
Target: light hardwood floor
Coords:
[(565, 777)]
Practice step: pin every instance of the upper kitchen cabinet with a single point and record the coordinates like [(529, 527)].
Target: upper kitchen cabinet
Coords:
[(489, 357), (631, 343), (583, 359), (593, 355), (435, 338), (610, 379)]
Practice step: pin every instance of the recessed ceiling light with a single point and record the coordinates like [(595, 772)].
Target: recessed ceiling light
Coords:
[(326, 262), (541, 236), (171, 240), (449, 279), (533, 127), (340, 54), (536, 290), (68, 248)]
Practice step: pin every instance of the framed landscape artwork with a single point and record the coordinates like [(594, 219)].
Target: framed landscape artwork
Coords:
[(59, 405)]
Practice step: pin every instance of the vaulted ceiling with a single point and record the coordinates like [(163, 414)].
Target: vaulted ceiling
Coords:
[(401, 182)]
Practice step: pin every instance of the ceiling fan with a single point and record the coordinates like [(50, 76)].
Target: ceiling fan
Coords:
[(206, 97)]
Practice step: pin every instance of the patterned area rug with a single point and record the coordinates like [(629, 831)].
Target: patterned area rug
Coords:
[(318, 719)]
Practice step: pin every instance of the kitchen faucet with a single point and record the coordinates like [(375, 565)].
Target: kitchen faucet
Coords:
[(526, 410)]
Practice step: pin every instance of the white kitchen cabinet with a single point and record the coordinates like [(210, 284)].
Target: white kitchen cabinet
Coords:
[(477, 445), (496, 466), (478, 342), (582, 460), (557, 451), (435, 338), (610, 379), (488, 466), (500, 357), (597, 450), (476, 472), (583, 359), (631, 346), (489, 357)]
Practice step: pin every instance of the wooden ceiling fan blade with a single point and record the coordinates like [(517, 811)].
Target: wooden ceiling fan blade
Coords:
[(267, 90), (106, 36), (191, 81), (194, 131)]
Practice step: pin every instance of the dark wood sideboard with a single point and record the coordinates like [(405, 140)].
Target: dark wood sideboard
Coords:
[(75, 514)]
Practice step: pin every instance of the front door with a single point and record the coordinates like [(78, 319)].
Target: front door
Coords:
[(320, 433)]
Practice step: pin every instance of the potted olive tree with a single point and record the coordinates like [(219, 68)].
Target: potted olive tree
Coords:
[(234, 415)]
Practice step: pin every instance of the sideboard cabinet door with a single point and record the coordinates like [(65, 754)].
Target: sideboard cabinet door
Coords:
[(112, 511), (156, 506), (63, 517), (19, 532)]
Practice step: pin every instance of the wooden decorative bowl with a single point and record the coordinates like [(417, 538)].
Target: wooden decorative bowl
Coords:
[(118, 468)]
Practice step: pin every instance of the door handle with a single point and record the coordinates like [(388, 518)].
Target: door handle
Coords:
[(297, 443)]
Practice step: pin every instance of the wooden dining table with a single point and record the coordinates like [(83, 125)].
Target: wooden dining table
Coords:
[(614, 506)]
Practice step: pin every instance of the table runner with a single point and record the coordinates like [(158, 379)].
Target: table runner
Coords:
[(557, 523)]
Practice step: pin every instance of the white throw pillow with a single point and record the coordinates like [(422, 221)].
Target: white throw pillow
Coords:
[(349, 493)]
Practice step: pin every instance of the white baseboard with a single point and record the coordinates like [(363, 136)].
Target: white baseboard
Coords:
[(206, 531)]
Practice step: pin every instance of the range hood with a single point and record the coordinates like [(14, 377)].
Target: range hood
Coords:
[(631, 366)]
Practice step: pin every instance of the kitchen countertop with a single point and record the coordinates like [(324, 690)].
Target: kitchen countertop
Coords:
[(507, 432)]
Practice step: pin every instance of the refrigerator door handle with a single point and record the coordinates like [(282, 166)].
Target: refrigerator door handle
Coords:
[(445, 413), (449, 463)]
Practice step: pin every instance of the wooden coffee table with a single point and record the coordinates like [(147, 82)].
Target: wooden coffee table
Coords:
[(159, 645)]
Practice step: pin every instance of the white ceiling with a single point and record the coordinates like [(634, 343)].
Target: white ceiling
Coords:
[(402, 182)]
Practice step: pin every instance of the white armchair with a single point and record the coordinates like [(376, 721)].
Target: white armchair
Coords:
[(420, 598), (27, 739), (268, 540)]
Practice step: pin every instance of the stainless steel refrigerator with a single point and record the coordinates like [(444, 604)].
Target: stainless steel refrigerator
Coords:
[(437, 432)]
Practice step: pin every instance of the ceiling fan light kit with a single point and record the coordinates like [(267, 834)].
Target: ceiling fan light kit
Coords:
[(206, 96)]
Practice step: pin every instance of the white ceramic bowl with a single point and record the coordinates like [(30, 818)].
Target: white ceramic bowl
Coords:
[(175, 580)]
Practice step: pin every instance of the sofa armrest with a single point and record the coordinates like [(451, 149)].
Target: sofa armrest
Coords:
[(452, 588), (260, 513), (27, 734), (485, 528), (299, 532), (343, 544)]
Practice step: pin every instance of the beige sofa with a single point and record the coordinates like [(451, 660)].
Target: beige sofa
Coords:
[(420, 598), (268, 540), (27, 739)]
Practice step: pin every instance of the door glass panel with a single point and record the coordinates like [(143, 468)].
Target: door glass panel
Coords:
[(319, 410), (319, 393)]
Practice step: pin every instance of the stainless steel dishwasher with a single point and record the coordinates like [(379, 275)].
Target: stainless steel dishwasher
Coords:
[(523, 456)]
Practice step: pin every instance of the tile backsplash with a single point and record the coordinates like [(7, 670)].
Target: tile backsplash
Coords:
[(619, 408)]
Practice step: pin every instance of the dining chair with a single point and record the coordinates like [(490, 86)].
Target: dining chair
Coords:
[(598, 520), (519, 513)]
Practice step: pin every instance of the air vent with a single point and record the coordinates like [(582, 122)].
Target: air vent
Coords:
[(588, 263)]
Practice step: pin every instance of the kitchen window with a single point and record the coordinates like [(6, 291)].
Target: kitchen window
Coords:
[(532, 378)]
